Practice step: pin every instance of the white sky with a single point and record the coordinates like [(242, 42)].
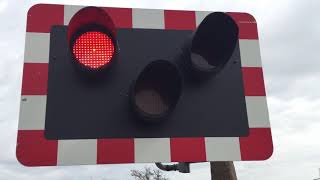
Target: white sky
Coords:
[(289, 33)]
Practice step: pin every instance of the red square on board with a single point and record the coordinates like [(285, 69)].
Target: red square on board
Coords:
[(253, 81), (247, 25), (248, 31), (188, 149), (115, 151), (33, 149), (42, 16), (180, 20), (258, 145), (35, 79), (122, 17), (242, 17)]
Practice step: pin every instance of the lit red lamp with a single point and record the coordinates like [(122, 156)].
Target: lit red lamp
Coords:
[(93, 49), (92, 39)]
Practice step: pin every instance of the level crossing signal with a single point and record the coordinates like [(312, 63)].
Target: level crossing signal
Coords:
[(116, 85)]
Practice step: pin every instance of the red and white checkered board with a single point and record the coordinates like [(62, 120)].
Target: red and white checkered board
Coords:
[(33, 149)]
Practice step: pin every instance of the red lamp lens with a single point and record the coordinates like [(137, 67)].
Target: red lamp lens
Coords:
[(93, 49)]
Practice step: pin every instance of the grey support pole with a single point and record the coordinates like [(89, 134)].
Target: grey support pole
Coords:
[(219, 170), (223, 171)]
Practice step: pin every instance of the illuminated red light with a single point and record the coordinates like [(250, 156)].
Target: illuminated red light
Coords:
[(93, 49)]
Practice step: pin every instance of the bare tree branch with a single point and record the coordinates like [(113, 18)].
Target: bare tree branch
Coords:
[(148, 174)]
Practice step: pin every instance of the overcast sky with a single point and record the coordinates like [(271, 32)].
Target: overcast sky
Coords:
[(289, 34)]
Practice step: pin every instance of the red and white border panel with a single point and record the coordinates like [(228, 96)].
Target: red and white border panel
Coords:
[(33, 149)]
